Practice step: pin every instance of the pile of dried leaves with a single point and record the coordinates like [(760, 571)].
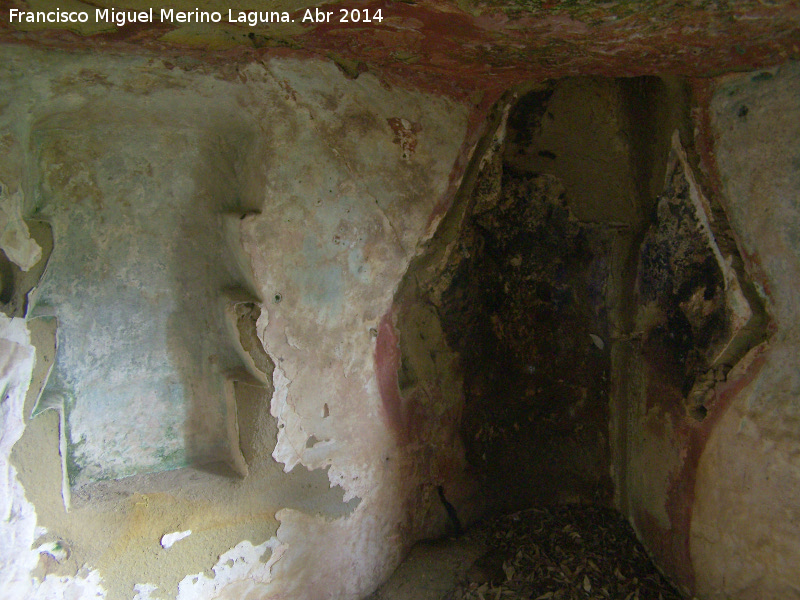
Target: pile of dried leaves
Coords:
[(568, 553)]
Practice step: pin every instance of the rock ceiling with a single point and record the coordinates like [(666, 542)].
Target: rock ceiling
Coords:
[(455, 46)]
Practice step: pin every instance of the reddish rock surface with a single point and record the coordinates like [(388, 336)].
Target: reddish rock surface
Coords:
[(458, 48)]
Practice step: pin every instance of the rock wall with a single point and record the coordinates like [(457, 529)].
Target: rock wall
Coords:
[(639, 241), (529, 279), (238, 364), (704, 399), (744, 533), (225, 245)]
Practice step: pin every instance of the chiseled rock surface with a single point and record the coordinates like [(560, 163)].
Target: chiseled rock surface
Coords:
[(456, 46), (282, 183), (746, 522)]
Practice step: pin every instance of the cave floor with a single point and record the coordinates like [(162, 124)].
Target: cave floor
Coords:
[(566, 552)]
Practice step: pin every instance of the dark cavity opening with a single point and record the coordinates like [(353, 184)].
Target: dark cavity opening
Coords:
[(580, 286)]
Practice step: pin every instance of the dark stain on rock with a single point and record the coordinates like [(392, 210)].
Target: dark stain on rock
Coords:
[(526, 118), (680, 277), (16, 284), (520, 310)]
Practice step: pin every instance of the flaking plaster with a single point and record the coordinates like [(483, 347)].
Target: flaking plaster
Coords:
[(141, 168)]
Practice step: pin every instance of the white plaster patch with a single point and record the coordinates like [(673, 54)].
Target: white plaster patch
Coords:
[(18, 528), (243, 564), (170, 538), (15, 239), (54, 549), (86, 585), (290, 433), (143, 591), (17, 517)]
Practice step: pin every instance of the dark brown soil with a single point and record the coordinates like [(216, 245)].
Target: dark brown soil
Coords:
[(567, 552)]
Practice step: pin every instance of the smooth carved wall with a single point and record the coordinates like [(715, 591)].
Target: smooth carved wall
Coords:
[(139, 277), (745, 535), (225, 243)]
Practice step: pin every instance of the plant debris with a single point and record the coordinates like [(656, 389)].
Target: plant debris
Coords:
[(568, 552)]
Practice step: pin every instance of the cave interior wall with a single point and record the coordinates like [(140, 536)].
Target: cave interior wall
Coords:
[(567, 317)]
